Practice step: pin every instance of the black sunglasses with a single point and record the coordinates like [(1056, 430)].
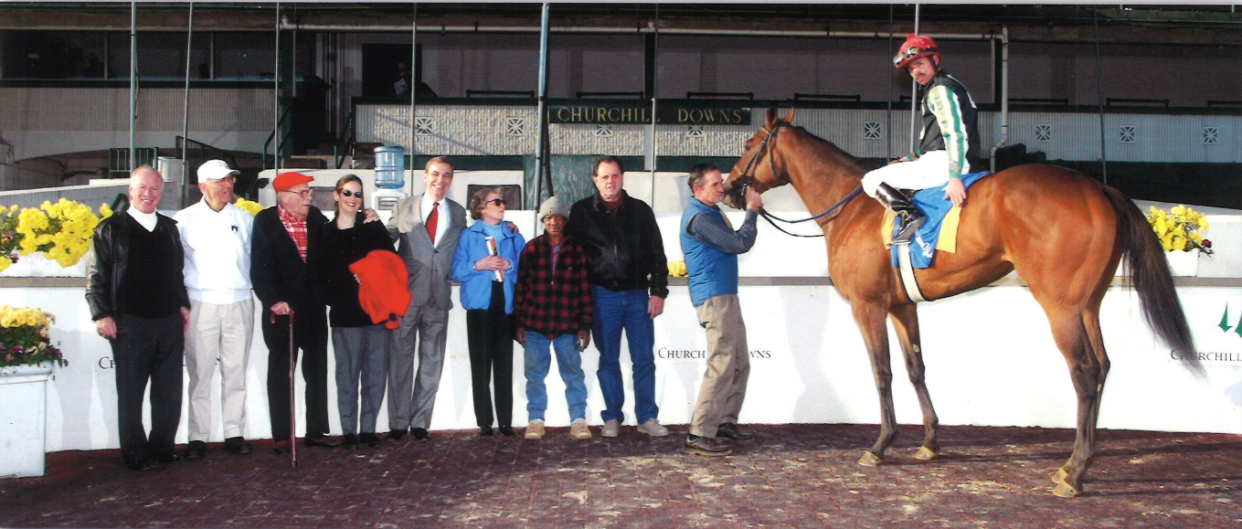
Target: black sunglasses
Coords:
[(497, 201), (347, 193)]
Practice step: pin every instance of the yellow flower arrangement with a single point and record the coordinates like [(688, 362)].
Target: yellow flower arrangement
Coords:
[(677, 268), (9, 238), (62, 231), (24, 337), (1178, 229), (251, 207)]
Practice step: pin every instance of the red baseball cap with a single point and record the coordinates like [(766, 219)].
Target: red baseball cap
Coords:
[(289, 180)]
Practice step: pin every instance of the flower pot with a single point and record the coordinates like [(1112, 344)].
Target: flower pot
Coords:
[(23, 419), (38, 265), (1183, 264)]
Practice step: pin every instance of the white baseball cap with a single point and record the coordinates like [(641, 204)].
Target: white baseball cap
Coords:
[(215, 170)]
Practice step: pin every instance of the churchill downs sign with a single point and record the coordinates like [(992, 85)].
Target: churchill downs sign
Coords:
[(642, 115)]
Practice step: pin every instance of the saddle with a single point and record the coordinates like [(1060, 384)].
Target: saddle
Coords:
[(935, 230)]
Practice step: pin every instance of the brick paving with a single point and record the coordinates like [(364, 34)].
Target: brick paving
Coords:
[(796, 476)]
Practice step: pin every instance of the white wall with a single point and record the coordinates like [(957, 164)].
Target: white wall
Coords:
[(985, 367)]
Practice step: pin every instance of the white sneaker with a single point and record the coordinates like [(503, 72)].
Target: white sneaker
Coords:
[(611, 428), (579, 430), (652, 427), (534, 431)]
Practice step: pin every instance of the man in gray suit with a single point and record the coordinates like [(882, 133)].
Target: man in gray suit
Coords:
[(427, 227)]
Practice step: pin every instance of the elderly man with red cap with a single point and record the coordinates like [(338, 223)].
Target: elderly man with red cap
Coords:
[(284, 236), (948, 140)]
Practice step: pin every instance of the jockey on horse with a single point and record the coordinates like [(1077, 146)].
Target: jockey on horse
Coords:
[(949, 138)]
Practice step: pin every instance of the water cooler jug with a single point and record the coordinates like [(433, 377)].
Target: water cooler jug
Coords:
[(389, 177)]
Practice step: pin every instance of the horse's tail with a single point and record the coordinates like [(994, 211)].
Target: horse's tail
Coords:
[(1150, 273)]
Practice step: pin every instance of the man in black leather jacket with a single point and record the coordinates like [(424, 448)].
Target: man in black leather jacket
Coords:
[(139, 303), (629, 281)]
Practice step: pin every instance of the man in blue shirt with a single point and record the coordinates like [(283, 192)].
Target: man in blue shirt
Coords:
[(711, 248)]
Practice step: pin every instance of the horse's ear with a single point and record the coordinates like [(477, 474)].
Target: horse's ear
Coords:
[(789, 117), (771, 116)]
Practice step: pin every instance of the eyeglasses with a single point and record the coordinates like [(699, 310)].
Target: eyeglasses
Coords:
[(304, 192), (347, 193), (500, 202)]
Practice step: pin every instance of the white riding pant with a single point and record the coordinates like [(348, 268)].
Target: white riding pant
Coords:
[(930, 170), (218, 335)]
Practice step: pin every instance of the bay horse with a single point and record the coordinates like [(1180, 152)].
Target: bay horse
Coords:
[(1062, 232)]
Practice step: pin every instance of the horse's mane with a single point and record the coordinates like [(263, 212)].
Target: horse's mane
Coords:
[(841, 157)]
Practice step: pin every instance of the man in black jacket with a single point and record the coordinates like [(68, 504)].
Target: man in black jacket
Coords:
[(139, 303), (629, 280), (284, 236)]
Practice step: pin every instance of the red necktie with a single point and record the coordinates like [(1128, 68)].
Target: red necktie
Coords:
[(432, 219)]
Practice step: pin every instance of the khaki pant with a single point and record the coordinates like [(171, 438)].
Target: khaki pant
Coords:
[(223, 333), (728, 365)]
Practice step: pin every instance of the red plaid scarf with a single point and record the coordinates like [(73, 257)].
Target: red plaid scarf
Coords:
[(296, 228)]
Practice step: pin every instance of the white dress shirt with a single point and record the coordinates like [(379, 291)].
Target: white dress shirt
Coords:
[(217, 252)]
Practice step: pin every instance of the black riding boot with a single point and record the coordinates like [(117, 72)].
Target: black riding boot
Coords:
[(911, 216)]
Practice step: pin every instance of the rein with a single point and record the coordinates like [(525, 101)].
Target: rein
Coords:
[(748, 176), (771, 218)]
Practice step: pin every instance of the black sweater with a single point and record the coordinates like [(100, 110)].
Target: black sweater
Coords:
[(341, 249)]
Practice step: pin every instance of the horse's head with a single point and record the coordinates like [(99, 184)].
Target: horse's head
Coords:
[(757, 167)]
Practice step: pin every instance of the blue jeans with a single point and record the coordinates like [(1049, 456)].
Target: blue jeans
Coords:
[(568, 360), (626, 310)]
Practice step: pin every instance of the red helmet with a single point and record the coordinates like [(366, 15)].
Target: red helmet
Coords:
[(914, 47)]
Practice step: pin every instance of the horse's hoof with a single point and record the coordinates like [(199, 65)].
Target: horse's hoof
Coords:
[(925, 454), (1064, 490), (869, 459), (1060, 475)]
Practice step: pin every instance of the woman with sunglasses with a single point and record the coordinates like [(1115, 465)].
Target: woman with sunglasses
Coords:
[(486, 266), (361, 347)]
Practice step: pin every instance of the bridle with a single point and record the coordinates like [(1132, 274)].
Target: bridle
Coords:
[(748, 177)]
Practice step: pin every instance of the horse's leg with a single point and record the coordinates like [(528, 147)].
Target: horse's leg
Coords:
[(1068, 478), (870, 320), (1077, 342), (906, 321)]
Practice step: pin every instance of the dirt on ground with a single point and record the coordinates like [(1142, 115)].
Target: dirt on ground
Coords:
[(794, 476)]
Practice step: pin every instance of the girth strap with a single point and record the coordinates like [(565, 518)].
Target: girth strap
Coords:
[(906, 274)]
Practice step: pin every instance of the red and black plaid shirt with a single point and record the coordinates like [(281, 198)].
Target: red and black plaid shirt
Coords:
[(553, 305), (296, 229)]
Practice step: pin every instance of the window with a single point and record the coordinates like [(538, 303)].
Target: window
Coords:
[(245, 56), (53, 55), (161, 55)]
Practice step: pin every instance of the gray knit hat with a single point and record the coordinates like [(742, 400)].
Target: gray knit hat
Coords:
[(553, 206)]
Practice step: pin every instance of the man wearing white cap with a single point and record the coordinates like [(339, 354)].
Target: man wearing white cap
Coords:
[(216, 237)]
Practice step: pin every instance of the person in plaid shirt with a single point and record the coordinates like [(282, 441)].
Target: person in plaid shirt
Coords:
[(553, 302)]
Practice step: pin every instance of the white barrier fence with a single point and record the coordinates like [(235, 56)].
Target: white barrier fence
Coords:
[(991, 361)]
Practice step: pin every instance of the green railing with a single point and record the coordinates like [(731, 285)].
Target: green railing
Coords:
[(345, 141), (118, 160), (284, 139)]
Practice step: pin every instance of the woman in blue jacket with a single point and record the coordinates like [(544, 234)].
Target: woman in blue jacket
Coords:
[(486, 266)]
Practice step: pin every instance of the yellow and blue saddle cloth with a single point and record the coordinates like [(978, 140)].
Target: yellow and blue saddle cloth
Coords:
[(938, 232)]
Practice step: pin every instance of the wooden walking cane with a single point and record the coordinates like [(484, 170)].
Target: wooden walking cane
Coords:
[(293, 416)]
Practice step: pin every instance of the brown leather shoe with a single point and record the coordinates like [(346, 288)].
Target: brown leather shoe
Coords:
[(321, 442), (705, 446), (729, 433)]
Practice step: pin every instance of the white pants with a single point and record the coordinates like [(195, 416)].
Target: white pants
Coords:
[(930, 170), (220, 332)]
